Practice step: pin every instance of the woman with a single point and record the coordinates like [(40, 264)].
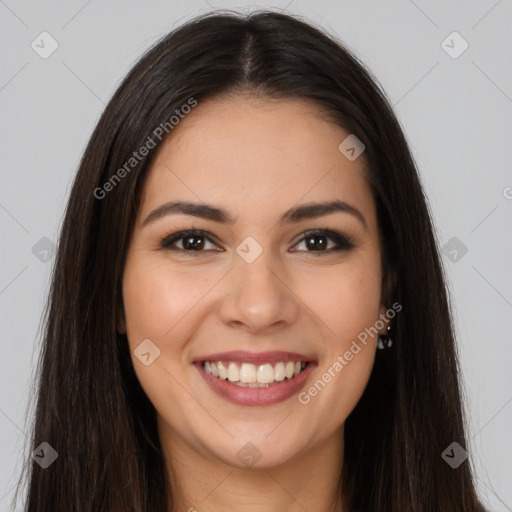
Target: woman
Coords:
[(248, 310)]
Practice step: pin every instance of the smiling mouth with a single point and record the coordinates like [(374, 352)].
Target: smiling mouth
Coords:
[(248, 375)]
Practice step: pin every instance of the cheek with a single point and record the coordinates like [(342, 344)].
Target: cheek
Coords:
[(347, 300), (156, 303), (339, 388), (157, 299)]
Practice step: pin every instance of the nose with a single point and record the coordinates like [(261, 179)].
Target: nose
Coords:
[(257, 297)]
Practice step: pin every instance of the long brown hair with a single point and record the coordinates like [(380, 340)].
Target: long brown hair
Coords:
[(90, 406)]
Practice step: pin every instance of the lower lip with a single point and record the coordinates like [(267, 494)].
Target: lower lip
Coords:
[(256, 396)]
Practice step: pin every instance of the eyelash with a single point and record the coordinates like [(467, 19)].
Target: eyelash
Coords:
[(344, 242)]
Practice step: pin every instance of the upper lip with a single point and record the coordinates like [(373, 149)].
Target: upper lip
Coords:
[(256, 358)]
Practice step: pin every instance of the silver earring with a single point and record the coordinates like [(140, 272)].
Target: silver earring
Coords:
[(384, 340)]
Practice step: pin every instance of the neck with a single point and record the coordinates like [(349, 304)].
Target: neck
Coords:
[(203, 483)]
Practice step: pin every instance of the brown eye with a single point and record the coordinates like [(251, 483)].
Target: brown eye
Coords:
[(188, 241), (318, 241)]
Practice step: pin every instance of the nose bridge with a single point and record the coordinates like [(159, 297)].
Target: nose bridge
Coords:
[(257, 295), (258, 275)]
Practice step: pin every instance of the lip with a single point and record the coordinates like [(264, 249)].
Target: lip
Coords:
[(274, 394), (256, 358)]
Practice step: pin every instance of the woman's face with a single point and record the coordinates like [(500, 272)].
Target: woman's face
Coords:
[(258, 296)]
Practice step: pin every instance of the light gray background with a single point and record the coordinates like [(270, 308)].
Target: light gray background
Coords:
[(456, 114)]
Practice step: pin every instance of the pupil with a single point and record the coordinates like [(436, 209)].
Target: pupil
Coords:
[(316, 244), (189, 244)]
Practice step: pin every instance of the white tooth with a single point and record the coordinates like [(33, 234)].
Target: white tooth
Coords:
[(279, 372), (289, 369), (223, 371), (247, 372), (233, 372), (265, 374)]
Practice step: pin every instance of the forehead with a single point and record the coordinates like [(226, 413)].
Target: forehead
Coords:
[(255, 155)]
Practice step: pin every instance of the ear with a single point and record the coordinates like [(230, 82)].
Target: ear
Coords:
[(388, 291), (382, 318)]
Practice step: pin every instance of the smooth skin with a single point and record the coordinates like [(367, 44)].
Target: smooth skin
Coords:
[(255, 158)]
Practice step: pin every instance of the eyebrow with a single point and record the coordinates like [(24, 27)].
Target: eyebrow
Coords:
[(213, 213)]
